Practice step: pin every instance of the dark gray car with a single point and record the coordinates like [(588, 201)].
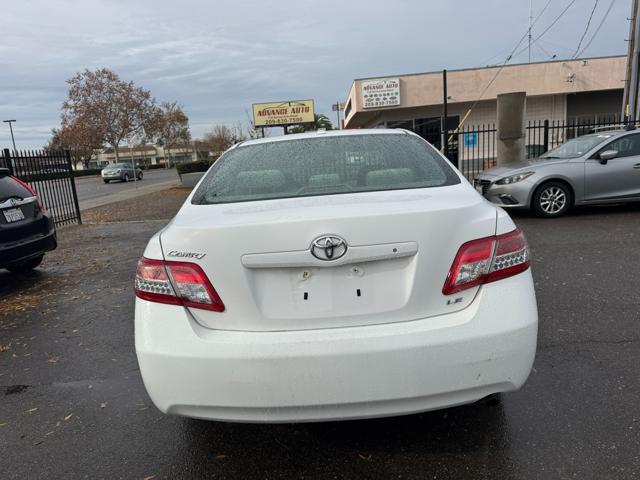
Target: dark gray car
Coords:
[(120, 171), (593, 169)]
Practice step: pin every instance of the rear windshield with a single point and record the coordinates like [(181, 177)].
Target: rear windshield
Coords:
[(324, 166), (9, 188)]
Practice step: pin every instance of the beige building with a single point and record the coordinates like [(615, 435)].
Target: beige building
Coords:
[(145, 155), (586, 90)]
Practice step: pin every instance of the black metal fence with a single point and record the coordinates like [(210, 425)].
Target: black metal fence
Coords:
[(50, 174), (476, 145)]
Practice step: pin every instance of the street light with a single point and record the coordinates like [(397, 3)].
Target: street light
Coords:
[(11, 130)]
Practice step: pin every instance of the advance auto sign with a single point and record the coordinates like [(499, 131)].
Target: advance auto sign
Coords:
[(283, 113), (383, 92)]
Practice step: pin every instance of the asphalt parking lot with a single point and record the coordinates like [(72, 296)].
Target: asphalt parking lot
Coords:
[(72, 404), (91, 189)]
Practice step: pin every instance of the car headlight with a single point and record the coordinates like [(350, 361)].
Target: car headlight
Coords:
[(514, 178)]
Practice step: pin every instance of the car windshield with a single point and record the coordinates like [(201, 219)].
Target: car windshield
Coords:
[(118, 165), (577, 147), (324, 166)]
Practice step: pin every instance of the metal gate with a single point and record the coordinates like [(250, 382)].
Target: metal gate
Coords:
[(50, 174)]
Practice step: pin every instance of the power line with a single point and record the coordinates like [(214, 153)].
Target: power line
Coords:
[(606, 14), (510, 56), (550, 26), (523, 37), (584, 34)]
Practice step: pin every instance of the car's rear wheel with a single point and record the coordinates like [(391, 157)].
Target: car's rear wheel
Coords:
[(125, 178), (106, 181), (552, 199), (26, 266), (140, 176)]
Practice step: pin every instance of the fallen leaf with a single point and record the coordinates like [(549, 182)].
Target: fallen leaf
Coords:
[(68, 417), (365, 457), (53, 359), (103, 404), (2, 424), (150, 477), (32, 409), (220, 456)]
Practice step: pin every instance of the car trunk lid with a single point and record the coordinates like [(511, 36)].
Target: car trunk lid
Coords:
[(401, 245)]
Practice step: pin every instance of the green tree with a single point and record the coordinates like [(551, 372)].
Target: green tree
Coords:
[(319, 121)]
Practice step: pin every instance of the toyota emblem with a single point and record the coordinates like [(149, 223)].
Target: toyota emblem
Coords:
[(328, 247)]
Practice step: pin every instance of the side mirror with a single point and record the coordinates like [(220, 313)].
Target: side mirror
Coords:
[(607, 155)]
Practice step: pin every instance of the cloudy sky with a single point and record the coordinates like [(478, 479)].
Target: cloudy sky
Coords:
[(217, 57)]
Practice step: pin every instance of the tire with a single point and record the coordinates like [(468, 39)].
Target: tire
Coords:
[(140, 176), (106, 181), (125, 178), (552, 199), (26, 266), (491, 400)]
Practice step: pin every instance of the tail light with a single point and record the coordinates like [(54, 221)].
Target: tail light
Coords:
[(487, 260), (176, 283), (32, 191)]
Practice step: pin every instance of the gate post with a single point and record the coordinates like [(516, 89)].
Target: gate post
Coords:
[(7, 160), (67, 155), (545, 138), (511, 137)]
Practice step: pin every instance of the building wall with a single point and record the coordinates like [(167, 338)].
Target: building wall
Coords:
[(545, 79), (601, 105)]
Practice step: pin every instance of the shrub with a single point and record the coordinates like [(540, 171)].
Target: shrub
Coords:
[(199, 166), (87, 172)]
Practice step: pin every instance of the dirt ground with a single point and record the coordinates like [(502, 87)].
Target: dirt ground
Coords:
[(161, 205)]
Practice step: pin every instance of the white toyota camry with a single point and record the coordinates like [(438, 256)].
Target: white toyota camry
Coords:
[(333, 275)]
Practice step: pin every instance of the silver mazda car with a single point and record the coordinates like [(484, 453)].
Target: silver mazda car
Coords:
[(597, 168)]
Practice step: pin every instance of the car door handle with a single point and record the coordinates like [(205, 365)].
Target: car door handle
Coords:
[(637, 166)]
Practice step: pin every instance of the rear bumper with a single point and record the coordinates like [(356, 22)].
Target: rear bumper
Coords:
[(22, 250), (343, 373)]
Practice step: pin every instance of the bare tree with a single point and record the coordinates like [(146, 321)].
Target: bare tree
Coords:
[(118, 110), (79, 138), (170, 126), (221, 137)]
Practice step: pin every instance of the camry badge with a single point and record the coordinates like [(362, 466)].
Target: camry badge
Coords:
[(328, 247)]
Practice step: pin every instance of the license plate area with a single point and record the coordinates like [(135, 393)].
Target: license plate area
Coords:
[(13, 215), (327, 292)]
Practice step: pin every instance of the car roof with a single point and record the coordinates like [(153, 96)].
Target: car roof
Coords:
[(612, 133), (326, 133)]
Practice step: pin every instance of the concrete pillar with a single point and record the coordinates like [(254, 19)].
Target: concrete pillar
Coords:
[(511, 132)]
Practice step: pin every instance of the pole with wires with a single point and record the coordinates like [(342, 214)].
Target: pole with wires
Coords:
[(530, 26), (631, 109)]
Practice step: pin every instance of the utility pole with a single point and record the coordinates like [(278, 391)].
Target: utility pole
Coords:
[(530, 26), (630, 97), (444, 140), (633, 63), (336, 107), (11, 130)]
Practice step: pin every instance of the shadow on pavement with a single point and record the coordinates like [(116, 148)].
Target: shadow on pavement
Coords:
[(379, 448)]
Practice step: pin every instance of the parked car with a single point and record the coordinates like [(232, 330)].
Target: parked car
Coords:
[(598, 168), (120, 171), (26, 229), (333, 275)]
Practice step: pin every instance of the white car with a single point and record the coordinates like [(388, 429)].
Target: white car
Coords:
[(333, 275)]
